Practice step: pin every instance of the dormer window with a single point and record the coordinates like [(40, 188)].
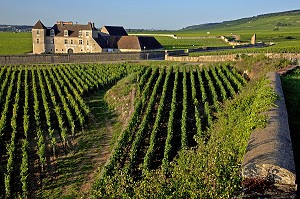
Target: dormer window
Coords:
[(51, 32), (80, 34), (66, 33)]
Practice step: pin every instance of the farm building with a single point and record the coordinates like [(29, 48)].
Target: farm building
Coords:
[(66, 37)]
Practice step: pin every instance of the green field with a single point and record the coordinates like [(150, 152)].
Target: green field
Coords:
[(15, 43), (189, 42), (284, 46)]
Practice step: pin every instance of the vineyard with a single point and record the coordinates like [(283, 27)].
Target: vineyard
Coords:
[(42, 110), (174, 108)]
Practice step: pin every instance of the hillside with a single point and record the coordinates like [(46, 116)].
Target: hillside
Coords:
[(288, 20)]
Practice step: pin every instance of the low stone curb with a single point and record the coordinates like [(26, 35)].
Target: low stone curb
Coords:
[(269, 156)]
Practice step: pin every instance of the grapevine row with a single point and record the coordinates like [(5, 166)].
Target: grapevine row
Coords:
[(212, 90), (57, 108), (196, 105), (153, 137), (47, 111), (40, 142), (184, 111), (79, 114), (226, 82), (24, 164), (12, 146), (230, 75), (219, 84), (4, 84), (168, 143), (4, 113)]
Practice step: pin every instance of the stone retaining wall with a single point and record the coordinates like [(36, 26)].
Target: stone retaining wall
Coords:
[(77, 58), (232, 57), (269, 156), (210, 58)]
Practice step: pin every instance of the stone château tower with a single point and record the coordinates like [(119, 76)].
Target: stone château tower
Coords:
[(38, 37)]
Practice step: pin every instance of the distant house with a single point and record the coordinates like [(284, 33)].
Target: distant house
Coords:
[(66, 37)]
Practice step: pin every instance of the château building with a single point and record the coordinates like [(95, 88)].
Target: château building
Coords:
[(67, 37)]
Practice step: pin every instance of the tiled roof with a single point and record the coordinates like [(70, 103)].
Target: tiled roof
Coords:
[(134, 43), (101, 42), (150, 43), (73, 29), (129, 42), (39, 25), (115, 30)]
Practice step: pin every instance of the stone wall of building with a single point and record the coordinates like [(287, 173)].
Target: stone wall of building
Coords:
[(38, 40)]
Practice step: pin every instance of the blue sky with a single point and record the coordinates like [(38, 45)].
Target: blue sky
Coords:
[(157, 14)]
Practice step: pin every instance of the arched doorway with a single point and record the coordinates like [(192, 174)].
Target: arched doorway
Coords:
[(70, 51)]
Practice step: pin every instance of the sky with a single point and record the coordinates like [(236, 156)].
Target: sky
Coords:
[(147, 14)]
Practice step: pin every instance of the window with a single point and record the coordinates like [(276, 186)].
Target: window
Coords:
[(87, 34), (80, 34), (51, 32), (72, 41), (38, 32), (87, 42), (66, 41), (52, 41), (38, 41), (66, 33), (80, 41)]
